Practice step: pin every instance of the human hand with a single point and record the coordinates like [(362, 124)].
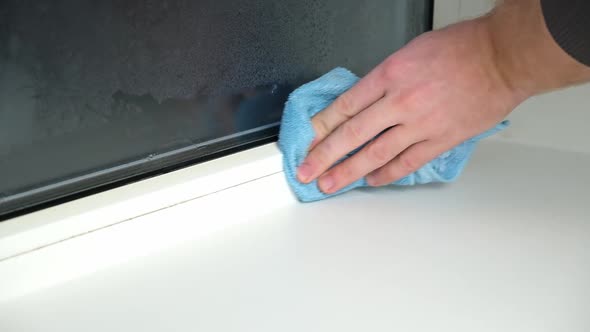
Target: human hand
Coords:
[(438, 91)]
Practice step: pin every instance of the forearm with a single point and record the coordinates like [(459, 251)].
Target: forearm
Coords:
[(527, 55)]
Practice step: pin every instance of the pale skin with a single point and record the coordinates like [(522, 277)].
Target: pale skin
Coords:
[(441, 89)]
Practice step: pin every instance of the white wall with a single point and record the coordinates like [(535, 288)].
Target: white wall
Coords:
[(557, 120)]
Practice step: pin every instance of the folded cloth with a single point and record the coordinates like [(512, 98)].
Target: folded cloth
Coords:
[(296, 135)]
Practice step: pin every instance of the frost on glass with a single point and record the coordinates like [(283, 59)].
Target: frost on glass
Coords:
[(87, 85)]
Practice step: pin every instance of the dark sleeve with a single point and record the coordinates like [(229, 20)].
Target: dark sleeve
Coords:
[(568, 22)]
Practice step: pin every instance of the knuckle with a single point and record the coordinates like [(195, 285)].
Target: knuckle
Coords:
[(352, 132), (378, 153), (418, 100), (384, 176), (321, 127), (344, 105), (409, 99), (320, 155), (342, 173), (394, 102), (390, 69), (408, 163)]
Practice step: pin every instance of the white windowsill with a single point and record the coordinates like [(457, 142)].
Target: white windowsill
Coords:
[(511, 232), (68, 220)]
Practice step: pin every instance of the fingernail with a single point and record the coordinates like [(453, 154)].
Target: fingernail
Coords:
[(304, 172), (326, 183)]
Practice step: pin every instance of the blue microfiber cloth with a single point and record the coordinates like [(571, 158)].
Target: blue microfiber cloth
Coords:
[(296, 135)]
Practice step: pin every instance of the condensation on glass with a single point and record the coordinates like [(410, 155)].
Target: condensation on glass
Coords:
[(87, 87)]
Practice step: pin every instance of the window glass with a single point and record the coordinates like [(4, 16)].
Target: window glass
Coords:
[(93, 92)]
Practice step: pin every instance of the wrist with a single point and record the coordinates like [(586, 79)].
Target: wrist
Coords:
[(525, 54), (508, 86)]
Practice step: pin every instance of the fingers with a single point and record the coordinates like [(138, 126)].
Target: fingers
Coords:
[(407, 162), (366, 92), (349, 136), (374, 155)]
